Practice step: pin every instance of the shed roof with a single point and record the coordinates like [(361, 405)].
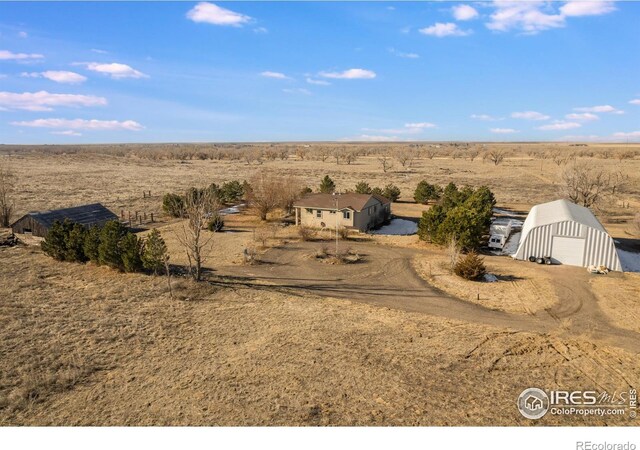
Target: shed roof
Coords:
[(87, 215), (349, 200), (559, 211)]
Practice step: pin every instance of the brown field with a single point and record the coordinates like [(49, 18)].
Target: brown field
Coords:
[(393, 340)]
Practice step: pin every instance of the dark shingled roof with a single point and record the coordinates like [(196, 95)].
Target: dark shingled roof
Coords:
[(349, 200), (88, 215)]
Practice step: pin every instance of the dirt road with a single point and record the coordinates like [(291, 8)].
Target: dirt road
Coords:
[(385, 277)]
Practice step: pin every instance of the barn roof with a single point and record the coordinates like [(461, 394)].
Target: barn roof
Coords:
[(88, 215), (559, 211), (350, 200)]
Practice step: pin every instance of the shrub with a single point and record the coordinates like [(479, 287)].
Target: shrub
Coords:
[(91, 244), (216, 223), (155, 252), (327, 186), (173, 205), (306, 233), (306, 190), (231, 192), (109, 252), (377, 191), (363, 188), (74, 242), (131, 249), (425, 192), (343, 232), (392, 192), (470, 267), (54, 243)]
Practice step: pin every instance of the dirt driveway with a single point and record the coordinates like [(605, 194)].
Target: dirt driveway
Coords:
[(386, 277)]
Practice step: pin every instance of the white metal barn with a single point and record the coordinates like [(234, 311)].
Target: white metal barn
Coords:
[(569, 234)]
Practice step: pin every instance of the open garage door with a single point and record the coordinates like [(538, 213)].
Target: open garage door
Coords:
[(568, 250)]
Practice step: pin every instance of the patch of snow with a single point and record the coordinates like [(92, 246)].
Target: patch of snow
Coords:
[(490, 278), (511, 246), (231, 210), (630, 261), (398, 227)]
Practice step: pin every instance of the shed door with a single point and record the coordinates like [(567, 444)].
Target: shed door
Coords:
[(568, 250)]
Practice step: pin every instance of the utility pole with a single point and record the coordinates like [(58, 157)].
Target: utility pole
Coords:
[(335, 197)]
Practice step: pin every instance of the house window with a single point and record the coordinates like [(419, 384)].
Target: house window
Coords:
[(346, 214), (310, 211), (332, 212), (369, 211), (319, 213), (375, 208)]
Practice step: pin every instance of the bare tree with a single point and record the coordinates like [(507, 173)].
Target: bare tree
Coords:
[(265, 193), (338, 153), (496, 156), (200, 206), (431, 152), (289, 192), (585, 184), (473, 153), (386, 162), (350, 156), (324, 152), (405, 157), (617, 181), (6, 201), (302, 153)]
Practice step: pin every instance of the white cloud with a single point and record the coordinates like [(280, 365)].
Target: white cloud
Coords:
[(534, 16), (444, 29), (67, 133), (529, 115), (420, 125), (635, 102), (587, 8), (582, 116), (403, 54), (559, 125), (373, 138), (81, 124), (59, 76), (114, 70), (318, 82), (599, 109), (45, 101), (503, 130), (297, 91), (6, 55), (464, 12), (260, 30), (526, 16), (276, 75), (409, 128), (630, 135), (351, 74), (23, 34), (486, 117), (99, 51), (209, 13)]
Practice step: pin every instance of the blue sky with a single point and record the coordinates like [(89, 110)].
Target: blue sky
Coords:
[(83, 72)]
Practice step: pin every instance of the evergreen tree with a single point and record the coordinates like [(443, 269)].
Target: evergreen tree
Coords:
[(155, 252), (74, 243), (377, 191), (426, 192), (54, 243), (109, 252), (392, 192), (231, 192), (173, 205), (91, 243), (327, 186), (363, 188), (131, 249)]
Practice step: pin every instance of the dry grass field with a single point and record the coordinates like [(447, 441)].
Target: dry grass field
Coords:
[(84, 345)]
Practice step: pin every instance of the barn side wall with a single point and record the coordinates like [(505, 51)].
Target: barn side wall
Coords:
[(27, 223), (599, 247)]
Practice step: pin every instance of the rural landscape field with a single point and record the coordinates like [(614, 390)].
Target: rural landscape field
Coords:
[(288, 339)]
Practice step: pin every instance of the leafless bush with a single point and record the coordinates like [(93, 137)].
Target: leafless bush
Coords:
[(350, 157), (343, 233), (405, 157), (338, 154), (496, 156), (6, 201), (199, 206), (265, 193), (386, 162), (473, 154), (306, 233), (430, 152), (262, 234), (453, 251), (302, 153)]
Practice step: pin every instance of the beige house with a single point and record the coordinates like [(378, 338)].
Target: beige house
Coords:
[(355, 211)]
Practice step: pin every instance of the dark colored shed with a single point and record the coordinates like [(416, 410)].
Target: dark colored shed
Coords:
[(38, 223)]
